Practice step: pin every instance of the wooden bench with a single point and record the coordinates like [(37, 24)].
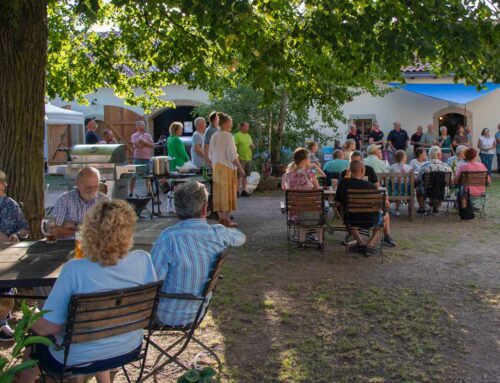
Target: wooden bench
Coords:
[(400, 187)]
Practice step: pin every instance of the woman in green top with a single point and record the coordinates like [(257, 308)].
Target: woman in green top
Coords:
[(175, 147), (444, 141)]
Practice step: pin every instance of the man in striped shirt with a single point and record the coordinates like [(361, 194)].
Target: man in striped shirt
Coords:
[(185, 253)]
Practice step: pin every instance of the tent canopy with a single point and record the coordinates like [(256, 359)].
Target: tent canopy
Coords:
[(59, 116), (456, 93)]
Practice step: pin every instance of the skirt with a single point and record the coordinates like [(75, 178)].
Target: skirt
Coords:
[(225, 188)]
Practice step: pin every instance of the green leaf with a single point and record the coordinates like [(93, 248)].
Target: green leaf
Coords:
[(192, 375), (23, 366), (37, 340)]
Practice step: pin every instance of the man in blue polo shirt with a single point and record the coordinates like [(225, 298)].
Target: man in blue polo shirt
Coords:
[(398, 138)]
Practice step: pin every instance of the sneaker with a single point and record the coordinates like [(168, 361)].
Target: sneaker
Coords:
[(388, 241), (369, 251), (421, 211), (244, 194), (6, 333), (312, 237)]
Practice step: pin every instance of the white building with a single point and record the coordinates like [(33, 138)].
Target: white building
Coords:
[(427, 100)]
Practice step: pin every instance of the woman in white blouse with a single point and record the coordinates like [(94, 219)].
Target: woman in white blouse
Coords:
[(486, 145), (226, 164)]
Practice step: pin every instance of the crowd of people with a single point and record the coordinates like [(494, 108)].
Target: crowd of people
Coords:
[(184, 254)]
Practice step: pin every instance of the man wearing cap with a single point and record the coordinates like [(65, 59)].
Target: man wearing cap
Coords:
[(91, 137)]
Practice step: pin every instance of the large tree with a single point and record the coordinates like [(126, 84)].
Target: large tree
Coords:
[(316, 51)]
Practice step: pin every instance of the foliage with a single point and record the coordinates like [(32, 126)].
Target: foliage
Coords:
[(9, 367), (206, 375), (246, 104), (317, 51)]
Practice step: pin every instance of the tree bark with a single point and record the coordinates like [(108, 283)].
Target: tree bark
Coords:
[(276, 155), (23, 57)]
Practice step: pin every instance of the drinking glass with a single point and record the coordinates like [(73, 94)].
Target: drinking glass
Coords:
[(49, 230)]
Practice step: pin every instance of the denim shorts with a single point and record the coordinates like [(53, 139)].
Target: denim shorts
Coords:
[(141, 161), (48, 363)]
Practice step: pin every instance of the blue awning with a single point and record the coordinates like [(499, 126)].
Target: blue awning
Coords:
[(456, 93)]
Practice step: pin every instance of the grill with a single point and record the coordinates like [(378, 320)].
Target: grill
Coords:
[(110, 160)]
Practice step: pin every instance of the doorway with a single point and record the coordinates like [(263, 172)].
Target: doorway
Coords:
[(451, 121), (182, 114)]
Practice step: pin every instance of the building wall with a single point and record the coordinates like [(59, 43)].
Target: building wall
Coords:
[(106, 96)]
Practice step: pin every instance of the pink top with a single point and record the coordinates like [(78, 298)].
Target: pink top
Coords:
[(141, 151), (298, 179), (475, 191)]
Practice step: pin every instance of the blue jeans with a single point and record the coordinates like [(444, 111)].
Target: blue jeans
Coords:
[(487, 160)]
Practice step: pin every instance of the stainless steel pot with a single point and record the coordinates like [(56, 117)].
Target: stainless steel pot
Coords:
[(161, 165)]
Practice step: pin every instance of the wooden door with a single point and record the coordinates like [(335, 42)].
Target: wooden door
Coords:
[(121, 122), (59, 137)]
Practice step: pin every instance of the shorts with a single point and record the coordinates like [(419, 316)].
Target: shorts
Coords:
[(142, 161), (377, 222), (49, 363), (247, 167)]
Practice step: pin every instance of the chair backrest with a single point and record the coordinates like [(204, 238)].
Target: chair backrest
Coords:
[(301, 201), (361, 201), (435, 184), (95, 316), (215, 274), (398, 185), (474, 178)]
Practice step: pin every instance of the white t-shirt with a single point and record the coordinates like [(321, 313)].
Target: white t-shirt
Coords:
[(222, 149), (84, 276), (487, 142)]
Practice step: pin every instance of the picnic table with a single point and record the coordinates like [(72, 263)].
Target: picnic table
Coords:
[(33, 264)]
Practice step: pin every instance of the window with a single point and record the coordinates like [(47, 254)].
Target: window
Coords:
[(364, 126)]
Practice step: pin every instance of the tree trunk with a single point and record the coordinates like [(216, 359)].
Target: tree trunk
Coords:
[(276, 155), (23, 57)]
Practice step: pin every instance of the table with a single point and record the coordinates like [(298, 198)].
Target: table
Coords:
[(33, 264)]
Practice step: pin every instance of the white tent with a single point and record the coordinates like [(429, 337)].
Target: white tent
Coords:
[(59, 116)]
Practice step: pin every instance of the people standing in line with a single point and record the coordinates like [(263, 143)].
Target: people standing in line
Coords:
[(460, 138), (376, 136), (197, 152), (313, 148), (226, 165), (398, 138), (429, 138), (175, 147), (444, 142), (354, 135), (91, 137), (416, 137), (244, 146), (487, 145), (109, 137), (419, 160), (143, 145), (497, 139), (213, 128)]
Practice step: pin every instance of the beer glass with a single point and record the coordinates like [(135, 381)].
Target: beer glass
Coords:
[(49, 230)]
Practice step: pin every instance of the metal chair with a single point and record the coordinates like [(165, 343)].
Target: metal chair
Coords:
[(475, 179), (96, 316), (186, 333), (437, 187), (304, 209), (360, 209)]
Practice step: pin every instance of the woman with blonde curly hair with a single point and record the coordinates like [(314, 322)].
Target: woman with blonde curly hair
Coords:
[(107, 237)]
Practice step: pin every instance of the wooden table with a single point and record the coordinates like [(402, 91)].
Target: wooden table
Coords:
[(33, 264)]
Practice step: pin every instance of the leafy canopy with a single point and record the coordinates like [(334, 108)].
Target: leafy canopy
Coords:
[(318, 51)]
